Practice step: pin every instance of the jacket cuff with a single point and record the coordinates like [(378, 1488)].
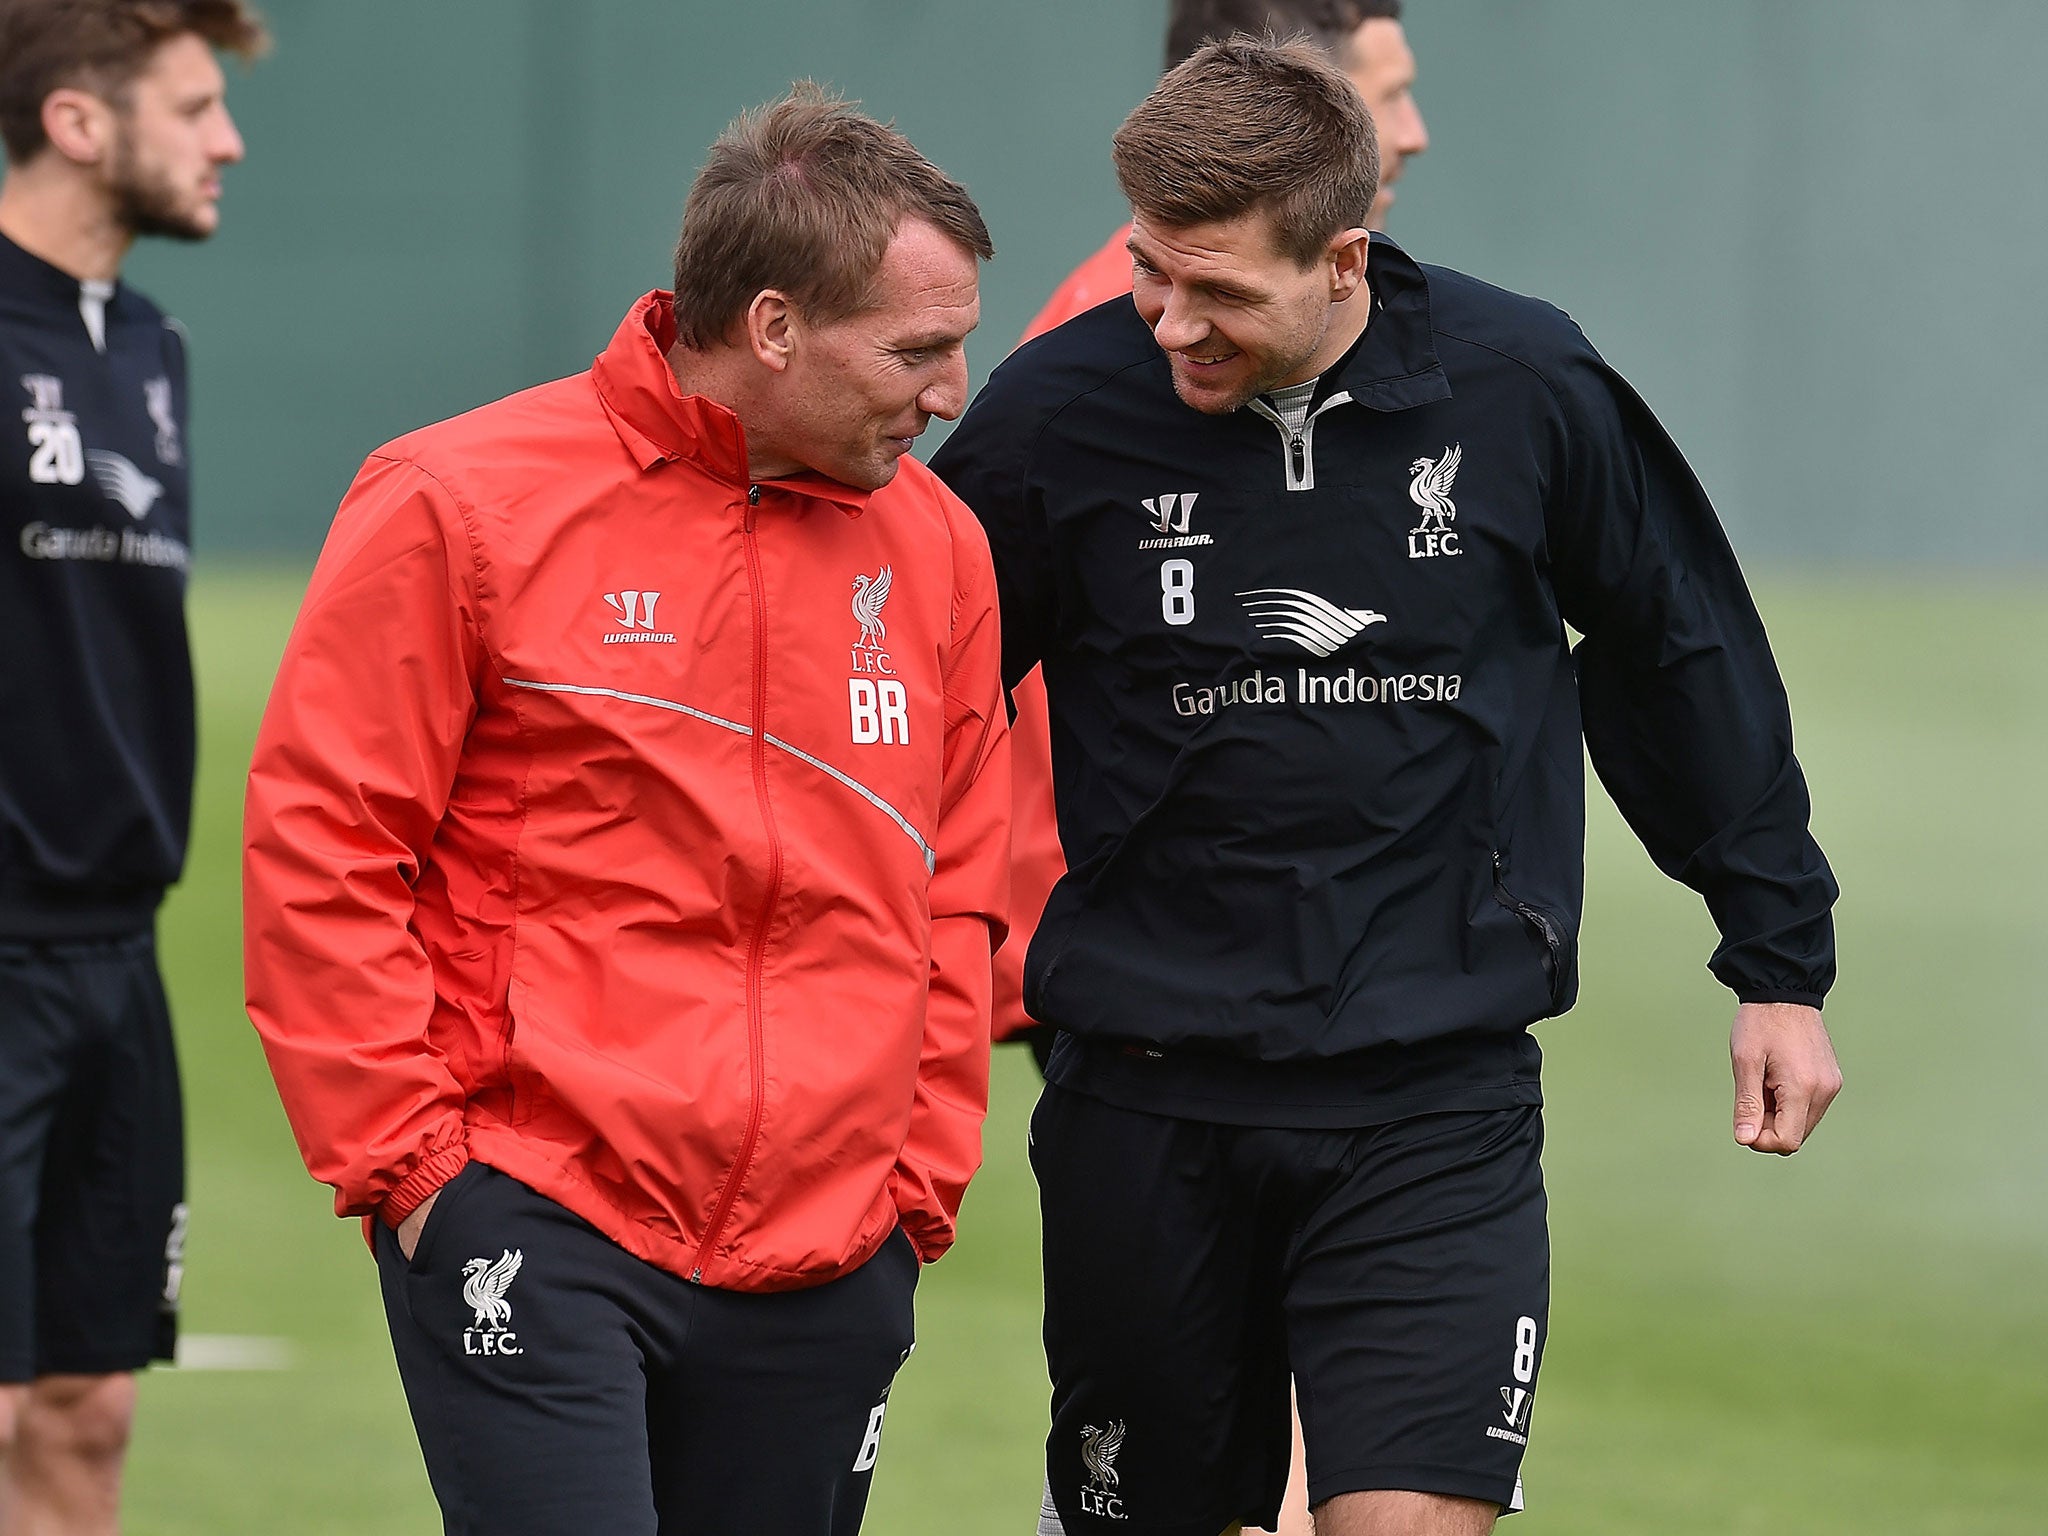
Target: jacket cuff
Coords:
[(928, 1239), (1777, 995), (428, 1175)]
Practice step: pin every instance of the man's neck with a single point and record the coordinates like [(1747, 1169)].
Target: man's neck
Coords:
[(720, 374), (54, 217), (1348, 321)]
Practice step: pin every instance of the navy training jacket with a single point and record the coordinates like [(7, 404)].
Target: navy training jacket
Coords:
[(1316, 717), (96, 706)]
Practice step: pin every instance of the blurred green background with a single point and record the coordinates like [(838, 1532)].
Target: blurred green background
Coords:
[(1809, 230)]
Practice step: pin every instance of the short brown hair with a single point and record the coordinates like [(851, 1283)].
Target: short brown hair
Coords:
[(1329, 24), (99, 46), (1249, 124), (803, 196)]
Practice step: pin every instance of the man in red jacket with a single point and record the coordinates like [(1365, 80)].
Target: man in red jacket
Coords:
[(627, 843)]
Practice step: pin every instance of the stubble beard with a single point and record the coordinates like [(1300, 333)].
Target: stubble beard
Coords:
[(145, 202), (1266, 379)]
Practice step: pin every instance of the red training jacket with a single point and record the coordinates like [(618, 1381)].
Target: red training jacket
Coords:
[(638, 831)]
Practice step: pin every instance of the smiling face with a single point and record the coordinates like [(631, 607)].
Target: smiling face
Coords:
[(171, 135), (1382, 66), (853, 394), (1235, 316)]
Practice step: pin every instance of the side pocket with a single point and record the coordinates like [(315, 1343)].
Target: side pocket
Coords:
[(1554, 948), (450, 1195)]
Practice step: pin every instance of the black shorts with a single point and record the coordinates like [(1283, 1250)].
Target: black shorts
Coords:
[(92, 1160), (1400, 1272), (561, 1386)]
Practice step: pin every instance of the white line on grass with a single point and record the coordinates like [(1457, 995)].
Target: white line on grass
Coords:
[(235, 1352)]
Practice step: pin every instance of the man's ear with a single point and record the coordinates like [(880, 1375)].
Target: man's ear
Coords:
[(771, 329), (79, 125), (1347, 256)]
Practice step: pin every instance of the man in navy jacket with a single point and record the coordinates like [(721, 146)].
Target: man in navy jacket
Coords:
[(1297, 534), (115, 126)]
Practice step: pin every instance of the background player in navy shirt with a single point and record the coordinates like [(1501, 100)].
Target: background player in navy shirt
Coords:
[(115, 125)]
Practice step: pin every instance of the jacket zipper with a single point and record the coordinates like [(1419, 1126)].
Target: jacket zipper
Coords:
[(1537, 918), (1300, 446), (757, 948)]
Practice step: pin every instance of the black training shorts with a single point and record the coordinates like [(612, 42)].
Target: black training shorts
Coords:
[(1401, 1272), (563, 1387), (92, 1159)]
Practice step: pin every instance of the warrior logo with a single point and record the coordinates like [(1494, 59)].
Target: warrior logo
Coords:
[(1099, 1449), (869, 593), (1170, 518), (1314, 623), (1431, 491), (124, 483), (485, 1282), (1170, 514), (635, 612), (1517, 1411), (156, 399)]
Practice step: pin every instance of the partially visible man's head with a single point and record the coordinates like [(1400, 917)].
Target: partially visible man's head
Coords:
[(824, 243), (128, 91), (1251, 170), (1364, 38)]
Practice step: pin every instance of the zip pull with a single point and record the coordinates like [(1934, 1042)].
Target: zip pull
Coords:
[(1297, 452), (753, 505)]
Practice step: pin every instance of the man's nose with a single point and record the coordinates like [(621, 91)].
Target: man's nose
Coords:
[(1178, 326), (227, 141), (1410, 136), (946, 396)]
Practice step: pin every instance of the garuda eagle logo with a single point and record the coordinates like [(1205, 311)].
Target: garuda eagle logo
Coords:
[(1314, 623), (124, 483)]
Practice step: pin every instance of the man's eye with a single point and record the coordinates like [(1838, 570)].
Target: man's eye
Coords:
[(915, 355)]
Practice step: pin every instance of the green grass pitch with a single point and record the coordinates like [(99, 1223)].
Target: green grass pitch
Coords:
[(1852, 1341)]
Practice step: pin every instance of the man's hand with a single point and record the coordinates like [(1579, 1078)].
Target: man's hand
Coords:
[(410, 1228), (1785, 1075)]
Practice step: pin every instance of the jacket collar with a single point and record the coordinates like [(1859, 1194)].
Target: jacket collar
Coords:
[(21, 272), (1394, 364), (658, 423)]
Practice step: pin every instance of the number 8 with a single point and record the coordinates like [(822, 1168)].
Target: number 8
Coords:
[(1177, 591), (1525, 1349)]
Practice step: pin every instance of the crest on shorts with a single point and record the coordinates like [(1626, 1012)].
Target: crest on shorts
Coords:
[(1100, 1495), (1098, 1453)]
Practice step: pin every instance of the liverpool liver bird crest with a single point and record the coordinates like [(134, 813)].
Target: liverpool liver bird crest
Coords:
[(869, 593), (485, 1286), (1098, 1452), (1431, 488)]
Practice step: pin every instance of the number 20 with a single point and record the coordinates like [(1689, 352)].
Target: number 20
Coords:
[(1177, 591)]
